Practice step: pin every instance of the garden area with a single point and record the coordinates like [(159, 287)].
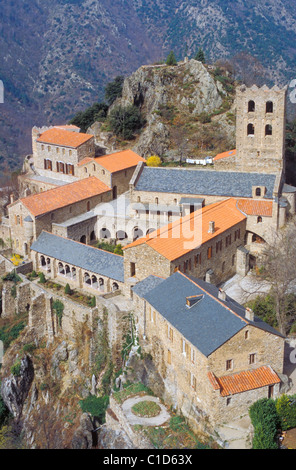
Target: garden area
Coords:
[(64, 290)]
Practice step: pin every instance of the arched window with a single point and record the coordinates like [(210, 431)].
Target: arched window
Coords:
[(156, 200), (269, 107), (251, 106), (268, 129), (250, 129), (259, 219)]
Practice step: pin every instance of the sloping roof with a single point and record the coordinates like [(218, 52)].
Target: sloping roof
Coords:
[(229, 153), (255, 207), (209, 323), (244, 381), (143, 287), (64, 138), (183, 235), (117, 161), (56, 198), (203, 182), (83, 256)]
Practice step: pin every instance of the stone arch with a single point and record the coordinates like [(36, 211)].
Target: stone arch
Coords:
[(61, 269), (137, 233), (73, 272), (150, 230), (93, 236), (94, 282), (67, 271), (42, 261), (115, 287), (87, 279), (105, 233), (268, 129), (83, 239), (101, 284), (121, 235)]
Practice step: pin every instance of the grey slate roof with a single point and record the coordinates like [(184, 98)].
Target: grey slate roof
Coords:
[(83, 256), (143, 287), (203, 182), (207, 324)]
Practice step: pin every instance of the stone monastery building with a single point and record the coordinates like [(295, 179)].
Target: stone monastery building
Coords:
[(184, 231)]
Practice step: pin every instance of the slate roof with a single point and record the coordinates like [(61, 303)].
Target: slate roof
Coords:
[(77, 254), (203, 182), (143, 287), (209, 323)]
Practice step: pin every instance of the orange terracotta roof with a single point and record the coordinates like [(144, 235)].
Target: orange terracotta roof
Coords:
[(187, 233), (119, 160), (255, 207), (244, 381), (65, 138), (229, 153), (85, 160), (56, 198)]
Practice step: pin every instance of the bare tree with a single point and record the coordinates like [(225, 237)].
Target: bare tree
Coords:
[(279, 269)]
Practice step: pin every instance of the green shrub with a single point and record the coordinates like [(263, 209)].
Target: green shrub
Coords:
[(204, 117), (265, 420), (12, 276), (29, 348), (95, 406), (68, 290), (92, 302), (286, 409), (58, 307), (16, 368), (125, 121), (42, 279)]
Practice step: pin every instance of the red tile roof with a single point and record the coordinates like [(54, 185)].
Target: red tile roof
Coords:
[(64, 138), (255, 207), (244, 381), (116, 161), (187, 233), (229, 153), (56, 198)]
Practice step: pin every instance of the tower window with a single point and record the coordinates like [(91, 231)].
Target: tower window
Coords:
[(269, 107), (251, 106), (268, 129), (251, 129)]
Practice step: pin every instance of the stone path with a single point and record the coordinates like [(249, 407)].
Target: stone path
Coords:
[(158, 420), (235, 434)]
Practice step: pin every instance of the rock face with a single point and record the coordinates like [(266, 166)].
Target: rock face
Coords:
[(15, 389), (165, 95)]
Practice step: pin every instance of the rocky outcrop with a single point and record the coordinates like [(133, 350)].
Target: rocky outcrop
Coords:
[(15, 388), (169, 97)]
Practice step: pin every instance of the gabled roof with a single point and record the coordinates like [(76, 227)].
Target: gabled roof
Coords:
[(229, 153), (183, 235), (64, 138), (56, 198), (83, 256), (117, 161), (208, 323), (203, 182), (244, 381), (255, 207)]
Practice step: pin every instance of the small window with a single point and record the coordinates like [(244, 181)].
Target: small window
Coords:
[(259, 219), (133, 269), (209, 252), (229, 364), (169, 357), (247, 334), (258, 192), (170, 333), (268, 129), (228, 401), (250, 129), (103, 172), (193, 381), (85, 169), (252, 358), (269, 107), (88, 206), (251, 106), (156, 200)]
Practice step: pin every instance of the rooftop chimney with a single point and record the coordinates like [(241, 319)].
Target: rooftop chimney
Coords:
[(11, 198), (249, 314), (212, 227), (222, 294)]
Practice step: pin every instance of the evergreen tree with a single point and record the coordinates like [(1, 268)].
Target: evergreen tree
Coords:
[(200, 56), (113, 89), (171, 59)]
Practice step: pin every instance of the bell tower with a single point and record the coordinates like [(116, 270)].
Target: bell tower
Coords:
[(260, 129)]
